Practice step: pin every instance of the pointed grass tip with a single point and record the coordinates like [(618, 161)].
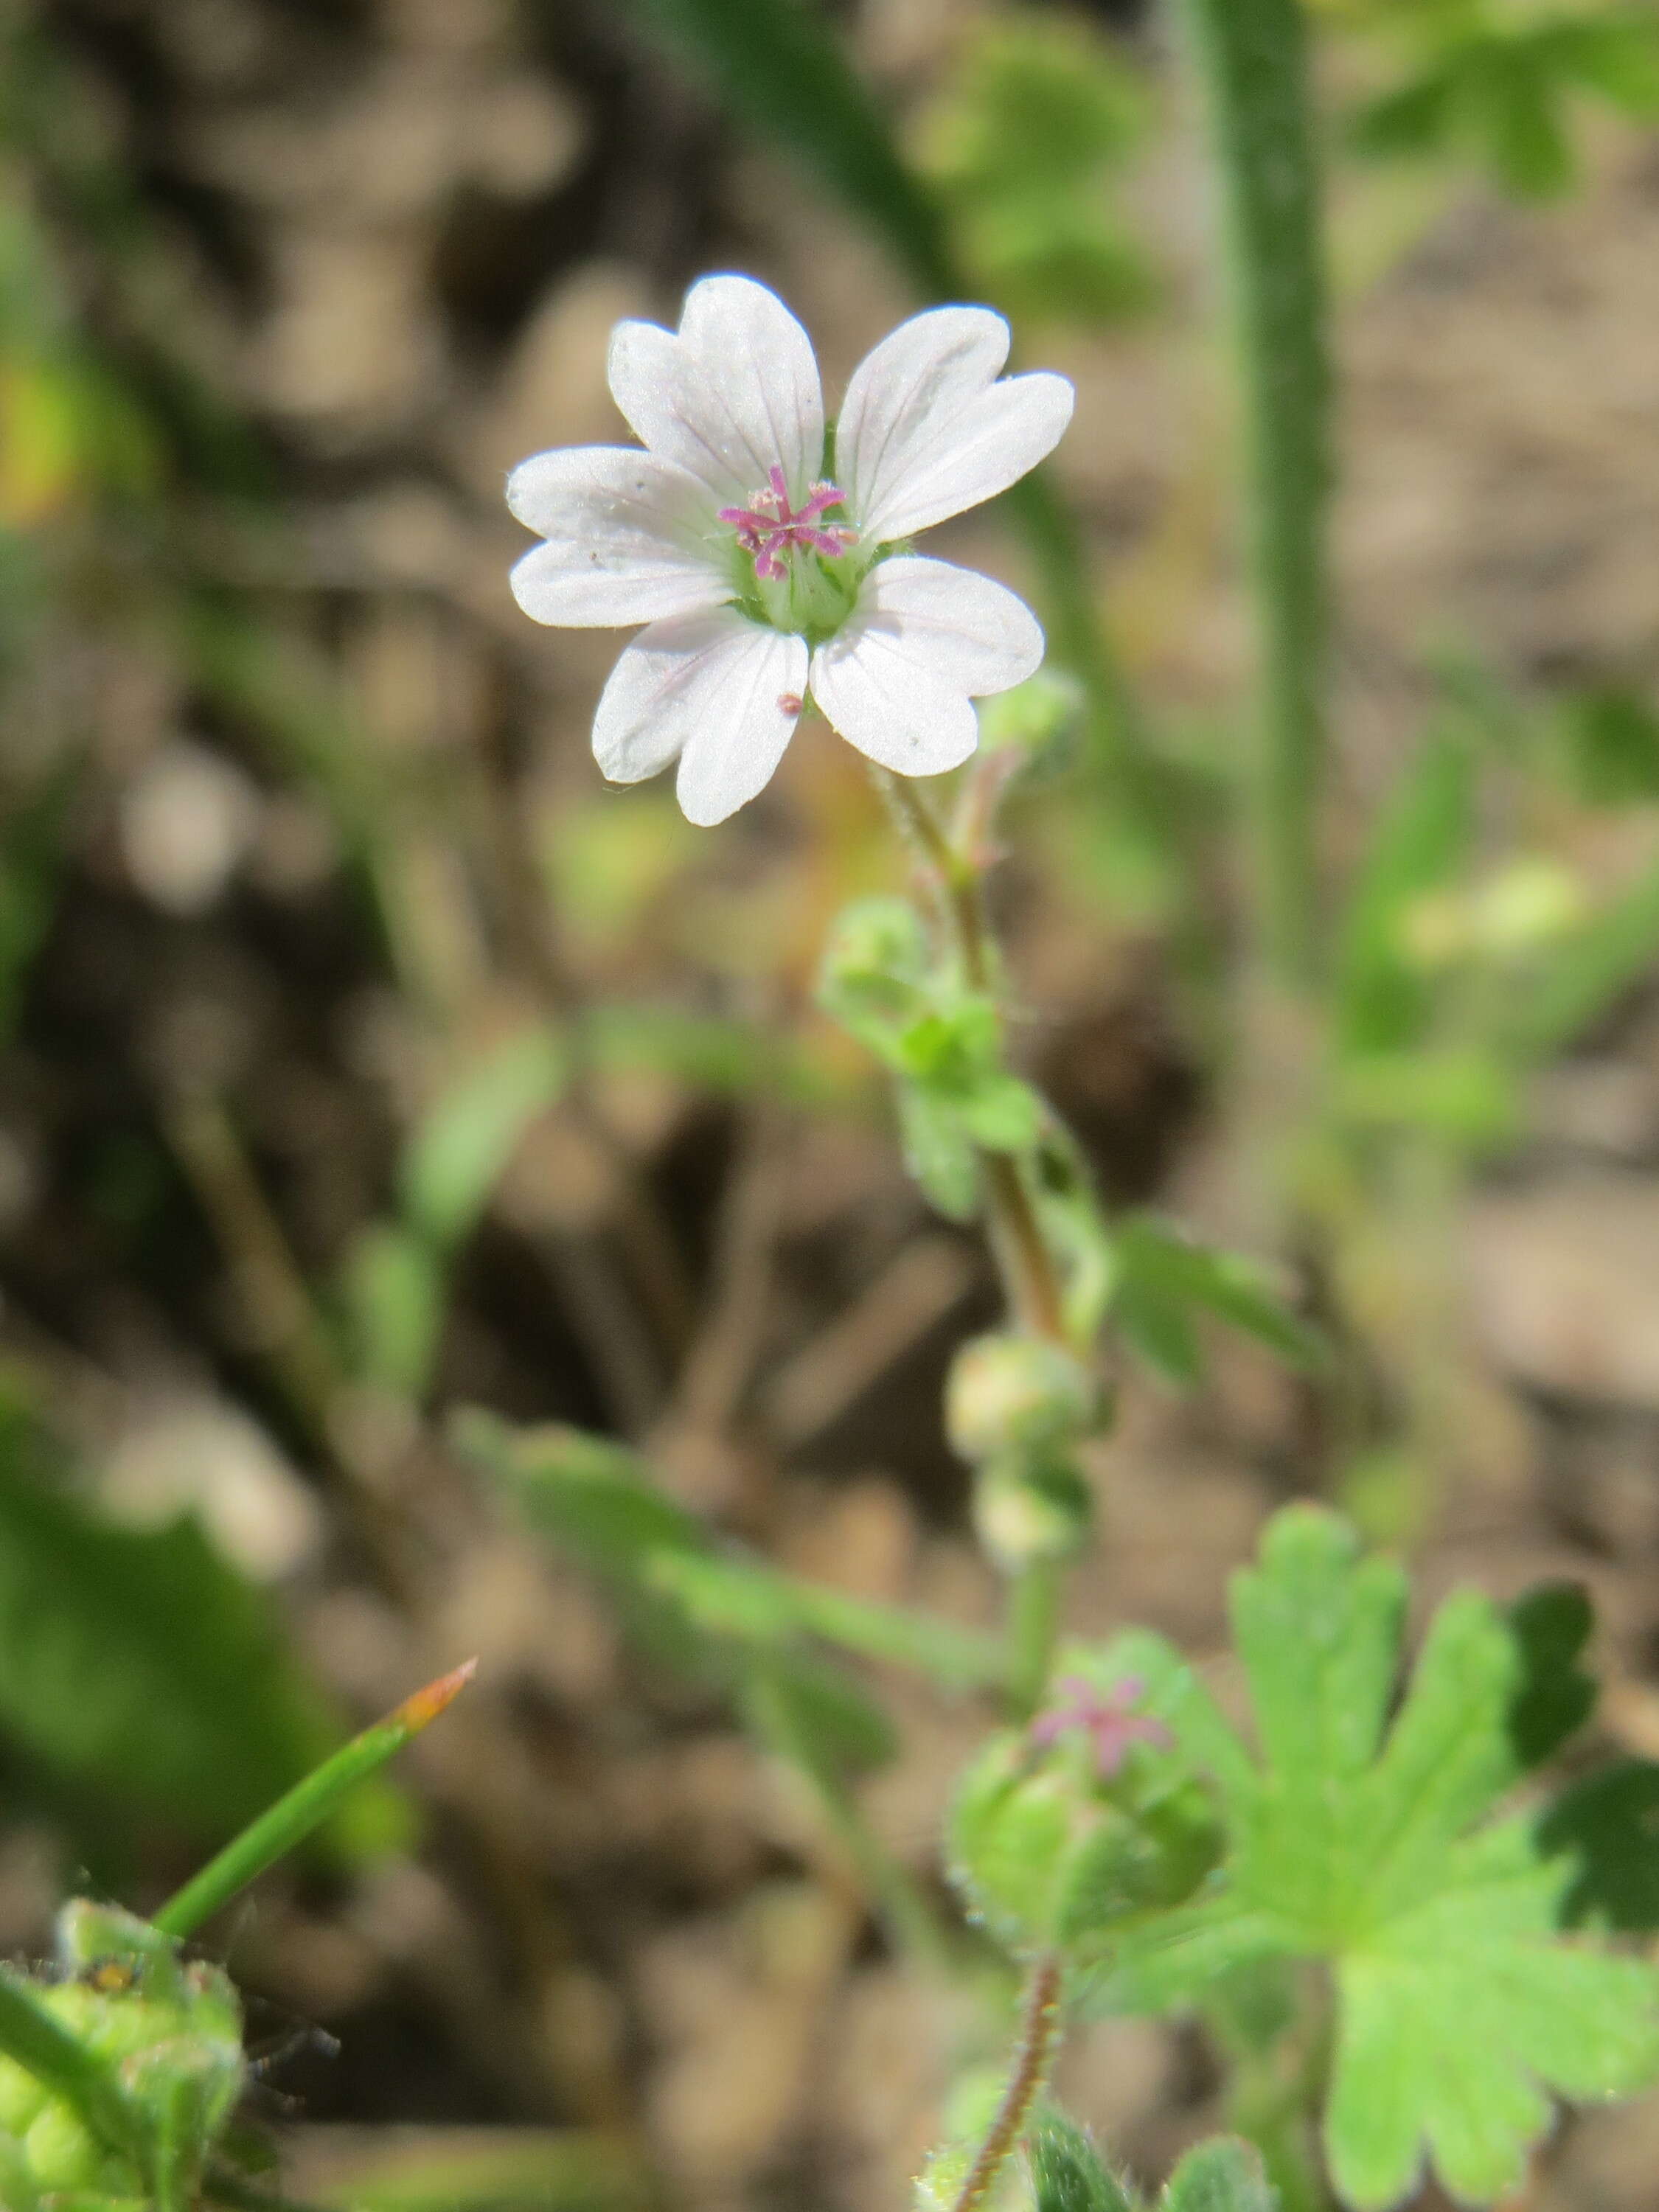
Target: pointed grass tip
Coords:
[(423, 1707)]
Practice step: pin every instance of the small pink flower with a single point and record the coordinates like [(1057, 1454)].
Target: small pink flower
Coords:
[(755, 599), (1110, 1718)]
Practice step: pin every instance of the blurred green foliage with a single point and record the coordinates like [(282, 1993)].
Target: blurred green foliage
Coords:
[(1022, 145)]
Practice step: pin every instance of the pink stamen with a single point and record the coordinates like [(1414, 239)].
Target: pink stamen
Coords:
[(771, 528), (1109, 1716)]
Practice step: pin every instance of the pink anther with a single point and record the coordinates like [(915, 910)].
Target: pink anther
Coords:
[(770, 528)]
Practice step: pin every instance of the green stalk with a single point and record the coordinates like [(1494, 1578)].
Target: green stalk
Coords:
[(1033, 1628), (309, 1804), (1253, 58)]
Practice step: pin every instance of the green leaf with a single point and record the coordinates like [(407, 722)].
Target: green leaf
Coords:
[(1067, 2172), (939, 1152), (1161, 1277), (143, 1663), (728, 1617), (1461, 2006), (1223, 2176), (1420, 842), (466, 1138)]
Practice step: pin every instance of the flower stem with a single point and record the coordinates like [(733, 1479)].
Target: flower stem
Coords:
[(1030, 1280), (1039, 2018), (1033, 1625)]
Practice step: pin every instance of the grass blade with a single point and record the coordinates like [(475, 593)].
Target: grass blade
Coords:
[(293, 1817)]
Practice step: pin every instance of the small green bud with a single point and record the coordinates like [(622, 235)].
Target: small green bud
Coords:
[(1026, 1512), (1064, 1831), (1017, 1394)]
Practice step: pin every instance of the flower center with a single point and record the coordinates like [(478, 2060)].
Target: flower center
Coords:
[(770, 528)]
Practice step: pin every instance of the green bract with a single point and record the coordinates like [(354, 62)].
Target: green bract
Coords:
[(1368, 1842)]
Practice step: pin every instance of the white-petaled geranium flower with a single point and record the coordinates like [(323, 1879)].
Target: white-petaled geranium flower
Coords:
[(767, 561)]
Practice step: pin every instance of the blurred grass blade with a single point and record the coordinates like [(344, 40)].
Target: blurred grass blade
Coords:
[(469, 2170), (597, 1498), (463, 1144), (783, 69), (306, 1805), (1253, 58), (746, 1597), (1419, 844)]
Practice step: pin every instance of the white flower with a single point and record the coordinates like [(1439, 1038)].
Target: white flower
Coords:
[(767, 564)]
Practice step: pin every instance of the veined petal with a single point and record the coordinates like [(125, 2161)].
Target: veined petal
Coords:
[(907, 389), (624, 533), (945, 459), (749, 704), (964, 628), (732, 395), (925, 639), (713, 689)]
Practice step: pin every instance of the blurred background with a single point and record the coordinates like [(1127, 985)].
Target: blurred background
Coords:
[(366, 1058)]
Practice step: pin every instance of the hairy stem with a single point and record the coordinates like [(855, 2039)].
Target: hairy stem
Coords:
[(1253, 58), (1039, 2021), (1030, 1280)]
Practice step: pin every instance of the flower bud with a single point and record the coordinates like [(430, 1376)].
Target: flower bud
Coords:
[(1027, 1512), (1054, 1842), (1017, 1394)]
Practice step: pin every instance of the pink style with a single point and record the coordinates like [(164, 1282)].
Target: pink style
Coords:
[(771, 527)]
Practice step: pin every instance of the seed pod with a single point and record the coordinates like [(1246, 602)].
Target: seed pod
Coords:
[(1011, 1393), (1026, 1512)]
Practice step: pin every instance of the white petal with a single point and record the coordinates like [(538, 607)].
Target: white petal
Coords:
[(926, 432), (712, 687), (906, 389), (966, 630), (896, 680), (739, 712), (625, 538), (735, 393)]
